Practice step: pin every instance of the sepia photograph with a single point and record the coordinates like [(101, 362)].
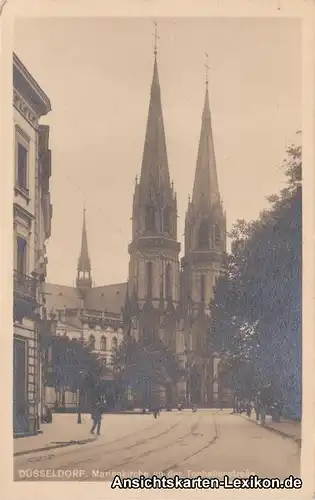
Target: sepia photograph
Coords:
[(157, 213)]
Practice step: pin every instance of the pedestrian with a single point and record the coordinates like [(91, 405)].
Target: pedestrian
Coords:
[(97, 418), (248, 408), (257, 405), (235, 404)]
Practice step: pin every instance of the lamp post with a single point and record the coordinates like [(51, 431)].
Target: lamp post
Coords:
[(48, 331), (79, 420)]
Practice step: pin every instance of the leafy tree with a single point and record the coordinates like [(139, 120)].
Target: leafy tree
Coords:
[(144, 368), (256, 311), (73, 365)]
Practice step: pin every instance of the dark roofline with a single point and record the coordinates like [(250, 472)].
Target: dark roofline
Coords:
[(110, 284), (24, 83)]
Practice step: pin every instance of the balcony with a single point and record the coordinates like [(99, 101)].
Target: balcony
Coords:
[(24, 289)]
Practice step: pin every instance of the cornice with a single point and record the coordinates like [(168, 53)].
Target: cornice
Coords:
[(22, 133), (155, 244), (25, 109), (206, 256), (24, 213), (27, 85)]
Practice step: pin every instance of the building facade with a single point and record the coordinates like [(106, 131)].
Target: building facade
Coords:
[(83, 313), (164, 298), (32, 214)]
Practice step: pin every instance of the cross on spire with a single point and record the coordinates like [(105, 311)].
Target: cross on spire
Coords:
[(156, 37), (207, 68)]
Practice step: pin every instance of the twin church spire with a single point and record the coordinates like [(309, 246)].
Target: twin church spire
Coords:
[(155, 204), (155, 163)]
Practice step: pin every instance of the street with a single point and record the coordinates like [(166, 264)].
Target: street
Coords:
[(206, 443)]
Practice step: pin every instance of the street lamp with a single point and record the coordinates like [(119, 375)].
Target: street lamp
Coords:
[(48, 328), (79, 420)]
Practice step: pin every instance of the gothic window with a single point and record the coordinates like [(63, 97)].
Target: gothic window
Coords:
[(217, 235), (103, 343), (92, 342), (203, 235), (150, 218), (167, 220), (21, 246), (114, 344), (202, 288), (149, 277), (168, 281)]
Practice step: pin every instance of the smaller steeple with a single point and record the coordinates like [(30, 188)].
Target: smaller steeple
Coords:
[(84, 279)]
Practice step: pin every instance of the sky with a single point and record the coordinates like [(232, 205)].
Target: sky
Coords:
[(97, 74)]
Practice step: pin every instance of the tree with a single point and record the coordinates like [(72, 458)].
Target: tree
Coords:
[(145, 368), (74, 366), (256, 311)]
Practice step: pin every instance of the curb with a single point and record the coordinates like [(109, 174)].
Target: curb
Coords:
[(297, 440), (53, 447)]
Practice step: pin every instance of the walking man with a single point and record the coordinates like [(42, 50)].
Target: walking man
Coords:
[(258, 405), (97, 418)]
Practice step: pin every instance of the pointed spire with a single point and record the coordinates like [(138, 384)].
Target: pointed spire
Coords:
[(84, 263), (154, 167), (206, 188)]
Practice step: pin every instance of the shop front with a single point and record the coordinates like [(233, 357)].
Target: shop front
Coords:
[(24, 388)]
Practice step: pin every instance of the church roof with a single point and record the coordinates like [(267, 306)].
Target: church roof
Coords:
[(206, 188), (84, 263), (154, 162), (109, 298), (60, 297)]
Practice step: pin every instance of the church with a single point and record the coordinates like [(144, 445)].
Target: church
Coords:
[(165, 296)]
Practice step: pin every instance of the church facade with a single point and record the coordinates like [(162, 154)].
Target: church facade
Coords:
[(165, 297)]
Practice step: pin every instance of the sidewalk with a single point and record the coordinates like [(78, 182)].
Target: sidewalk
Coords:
[(286, 428), (63, 431)]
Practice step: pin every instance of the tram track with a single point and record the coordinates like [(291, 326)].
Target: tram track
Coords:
[(196, 452), (148, 452), (94, 457), (71, 451)]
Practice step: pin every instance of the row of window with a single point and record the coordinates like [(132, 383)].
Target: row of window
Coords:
[(150, 219), (204, 235), (21, 181), (103, 343)]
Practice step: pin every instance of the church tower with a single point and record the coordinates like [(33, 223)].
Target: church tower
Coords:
[(153, 283), (205, 246), (84, 279)]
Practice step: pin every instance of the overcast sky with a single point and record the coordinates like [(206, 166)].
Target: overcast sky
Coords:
[(97, 74)]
